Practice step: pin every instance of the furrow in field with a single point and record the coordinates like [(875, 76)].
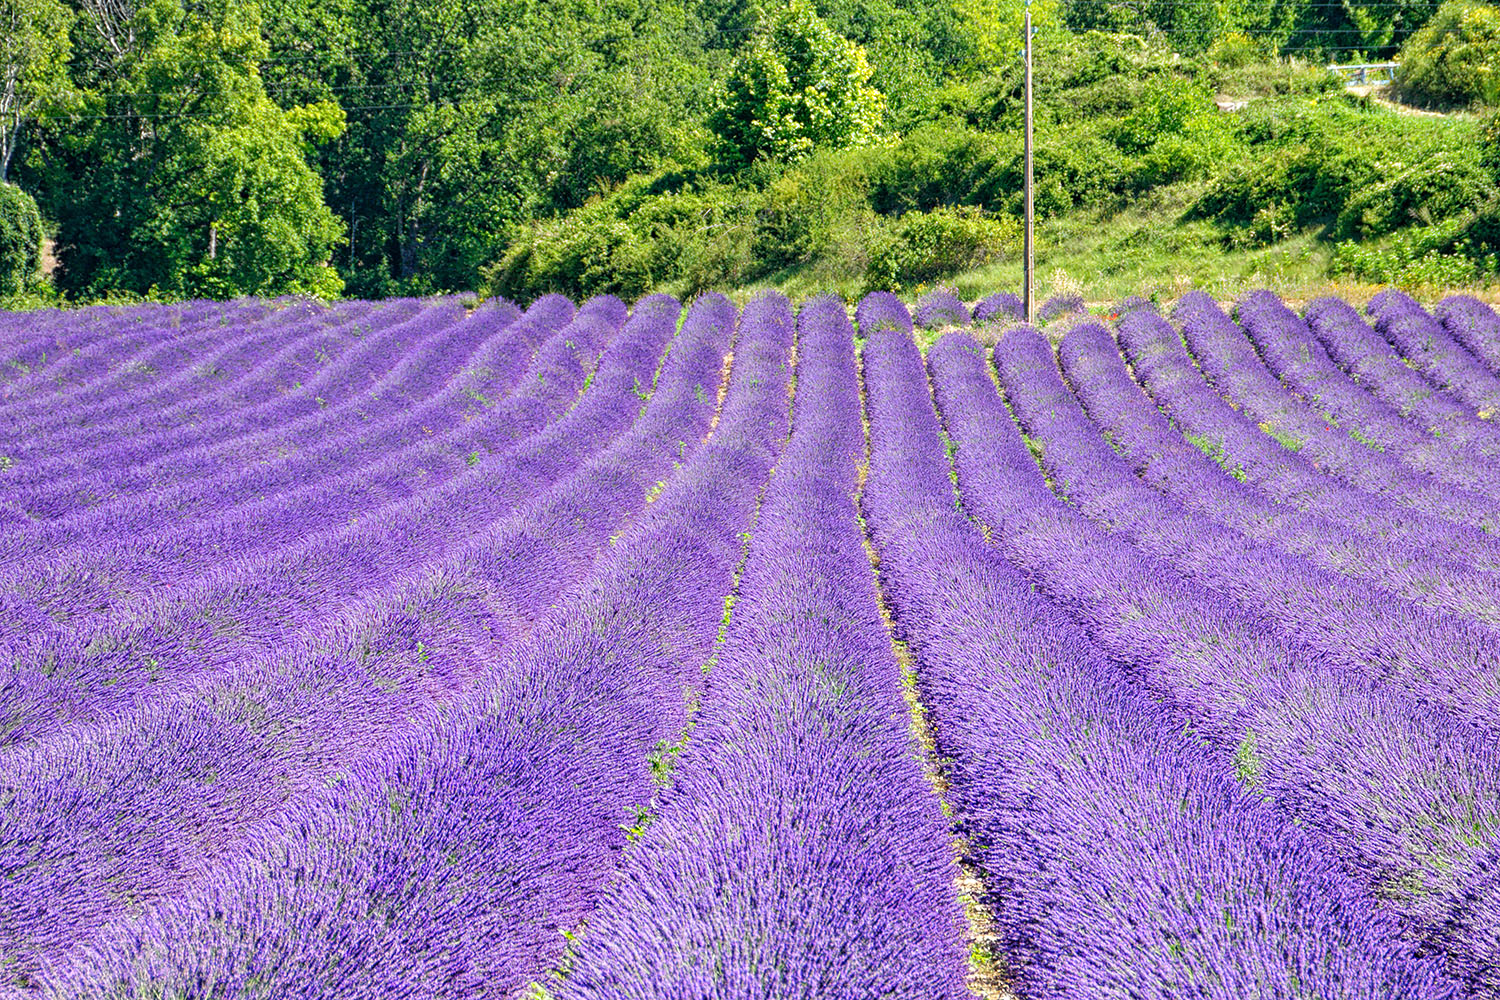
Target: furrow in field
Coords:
[(1144, 436), (1160, 362), (403, 657), (1447, 661), (63, 674), (1224, 353), (106, 556), (1367, 358)]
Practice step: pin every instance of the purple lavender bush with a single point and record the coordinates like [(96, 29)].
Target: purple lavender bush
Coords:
[(999, 307), (940, 308)]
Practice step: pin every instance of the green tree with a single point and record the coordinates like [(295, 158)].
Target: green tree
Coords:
[(797, 85), (996, 27), (1455, 58), (20, 239), (186, 179), (469, 117), (34, 53)]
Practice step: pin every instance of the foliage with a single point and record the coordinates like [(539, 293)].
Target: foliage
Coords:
[(1489, 145), (20, 240), (924, 246), (996, 26), (191, 147), (34, 50), (797, 86), (1452, 252), (1357, 169), (234, 207), (1455, 58), (1441, 187)]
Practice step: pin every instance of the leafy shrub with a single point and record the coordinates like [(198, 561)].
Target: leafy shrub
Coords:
[(1452, 252), (797, 85), (1234, 50), (1207, 142), (20, 240), (806, 210), (1425, 193), (1165, 107), (1454, 59), (924, 246), (1297, 185), (578, 255), (1489, 145)]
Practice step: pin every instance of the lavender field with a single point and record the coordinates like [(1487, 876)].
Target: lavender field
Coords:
[(414, 650)]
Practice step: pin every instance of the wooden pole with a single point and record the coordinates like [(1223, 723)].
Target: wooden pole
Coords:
[(1030, 248)]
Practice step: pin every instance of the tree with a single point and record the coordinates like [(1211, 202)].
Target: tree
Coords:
[(469, 117), (1455, 58), (995, 27), (796, 86), (34, 53), (20, 239), (185, 179)]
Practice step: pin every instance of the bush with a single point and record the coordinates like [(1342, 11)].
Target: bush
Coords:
[(925, 246), (1429, 192), (1489, 145), (1455, 58), (939, 308), (580, 255), (1452, 252), (20, 240)]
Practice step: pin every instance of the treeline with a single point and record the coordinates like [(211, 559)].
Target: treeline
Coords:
[(379, 147)]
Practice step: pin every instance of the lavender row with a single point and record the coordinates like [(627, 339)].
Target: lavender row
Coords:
[(1406, 800), (299, 348), (1474, 325), (1426, 343), (58, 360), (175, 371), (276, 391), (1161, 364), (1120, 860), (246, 609), (1224, 352), (1303, 365), (1368, 359), (473, 410), (941, 308), (449, 866), (1444, 660), (256, 420), (1143, 436), (66, 351), (800, 851), (352, 473), (326, 704)]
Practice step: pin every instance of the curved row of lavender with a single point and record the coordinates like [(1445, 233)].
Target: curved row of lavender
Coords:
[(1121, 859), (406, 650), (800, 850), (1378, 739)]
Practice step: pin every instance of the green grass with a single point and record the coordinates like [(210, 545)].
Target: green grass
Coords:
[(1148, 247)]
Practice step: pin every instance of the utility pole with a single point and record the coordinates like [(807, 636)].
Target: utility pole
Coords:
[(1030, 248)]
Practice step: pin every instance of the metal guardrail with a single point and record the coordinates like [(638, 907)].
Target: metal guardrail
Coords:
[(1375, 74)]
